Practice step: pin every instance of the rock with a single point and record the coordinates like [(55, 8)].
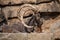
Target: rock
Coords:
[(26, 36), (39, 1), (11, 11), (3, 2), (12, 36), (10, 2), (39, 36), (48, 7), (57, 33), (49, 25), (55, 29)]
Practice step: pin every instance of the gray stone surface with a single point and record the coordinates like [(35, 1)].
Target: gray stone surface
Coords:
[(39, 36), (11, 11), (5, 2), (12, 36), (26, 36), (55, 28), (49, 7), (39, 1)]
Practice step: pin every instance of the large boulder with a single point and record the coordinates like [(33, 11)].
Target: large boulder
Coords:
[(40, 36), (5, 2), (10, 11), (48, 7)]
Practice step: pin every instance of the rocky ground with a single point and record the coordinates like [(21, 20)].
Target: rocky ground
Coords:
[(12, 27), (26, 36)]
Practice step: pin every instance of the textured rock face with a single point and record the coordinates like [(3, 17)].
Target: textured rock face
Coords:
[(9, 2), (12, 36), (44, 7), (25, 36), (42, 36), (49, 7), (51, 25), (4, 2), (55, 28), (10, 9)]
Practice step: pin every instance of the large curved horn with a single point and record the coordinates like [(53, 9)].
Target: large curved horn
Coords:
[(23, 9)]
